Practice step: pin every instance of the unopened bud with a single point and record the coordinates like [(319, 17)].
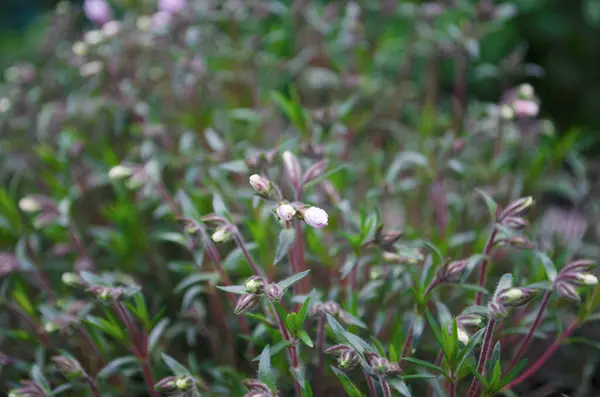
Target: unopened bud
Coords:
[(166, 385), (274, 292), (255, 285), (69, 367), (246, 302), (513, 297), (337, 349), (348, 359), (579, 266), (184, 383), (390, 238), (517, 207), (315, 171), (466, 320), (587, 279), (30, 204), (315, 217), (120, 172), (292, 168), (519, 242), (463, 336), (507, 112), (497, 310), (515, 222), (256, 385), (567, 290), (50, 327), (379, 364), (261, 185), (526, 91), (222, 235), (70, 279), (285, 212)]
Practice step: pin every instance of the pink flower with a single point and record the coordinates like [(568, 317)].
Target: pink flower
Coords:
[(315, 217), (171, 6), (525, 108), (98, 11)]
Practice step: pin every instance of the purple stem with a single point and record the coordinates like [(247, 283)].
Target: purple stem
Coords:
[(485, 348), (484, 263), (291, 349), (385, 387), (534, 327), (371, 384)]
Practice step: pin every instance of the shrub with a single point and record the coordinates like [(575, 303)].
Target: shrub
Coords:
[(261, 199)]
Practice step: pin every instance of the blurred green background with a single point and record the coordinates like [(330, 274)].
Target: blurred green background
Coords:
[(561, 36)]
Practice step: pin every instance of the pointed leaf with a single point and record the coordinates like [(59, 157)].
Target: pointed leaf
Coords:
[(286, 239), (175, 366), (288, 282)]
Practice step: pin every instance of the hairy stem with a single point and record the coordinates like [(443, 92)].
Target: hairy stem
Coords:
[(534, 327), (320, 355), (407, 343), (542, 360), (485, 348), (237, 237), (484, 264)]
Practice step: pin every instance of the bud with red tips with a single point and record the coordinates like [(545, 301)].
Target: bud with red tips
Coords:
[(515, 222), (69, 367), (517, 207), (246, 302), (514, 297), (166, 385), (567, 290), (255, 285), (274, 292)]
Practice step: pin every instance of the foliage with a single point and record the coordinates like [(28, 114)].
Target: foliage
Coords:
[(262, 199)]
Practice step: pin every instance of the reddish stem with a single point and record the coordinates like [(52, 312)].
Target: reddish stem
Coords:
[(149, 378), (304, 284), (371, 384), (93, 386), (237, 237), (292, 352), (320, 345), (407, 343), (385, 387), (484, 264), (485, 348), (534, 327), (542, 360)]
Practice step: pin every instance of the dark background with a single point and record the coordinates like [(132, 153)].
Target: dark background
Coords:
[(561, 36)]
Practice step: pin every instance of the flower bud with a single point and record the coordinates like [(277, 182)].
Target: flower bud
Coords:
[(526, 91), (315, 217), (97, 11), (30, 204), (292, 168), (519, 242), (255, 285), (28, 389), (390, 238), (517, 207), (285, 212), (166, 385), (579, 266), (567, 290), (222, 234), (379, 364), (171, 6), (69, 367), (261, 185), (525, 108), (466, 320), (513, 297), (348, 359), (246, 302), (497, 310), (50, 327), (120, 172), (315, 171), (71, 279), (256, 385), (587, 279), (184, 383), (337, 349), (463, 336), (274, 292), (515, 222), (507, 112)]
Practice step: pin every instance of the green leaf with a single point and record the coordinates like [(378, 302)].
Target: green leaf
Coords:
[(325, 175), (174, 365), (219, 206), (427, 364), (114, 366), (211, 277), (436, 332), (141, 309), (39, 378), (347, 384), (288, 282), (22, 299), (304, 310), (506, 281), (548, 265), (495, 358), (303, 336), (286, 239), (400, 386), (156, 333), (473, 341), (234, 289), (491, 205), (513, 373), (264, 368), (275, 349)]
